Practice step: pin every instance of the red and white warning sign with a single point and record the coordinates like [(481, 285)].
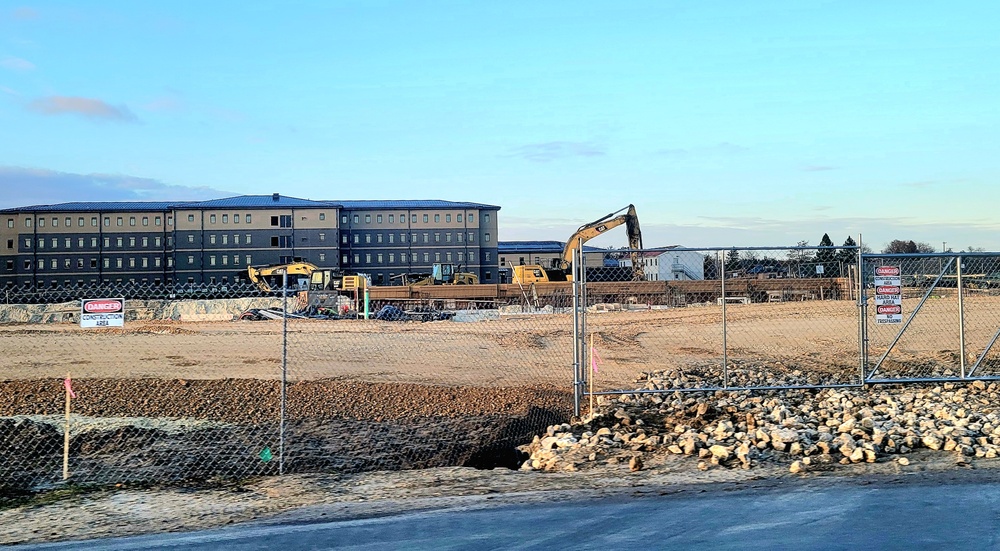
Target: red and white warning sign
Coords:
[(888, 295), (102, 312)]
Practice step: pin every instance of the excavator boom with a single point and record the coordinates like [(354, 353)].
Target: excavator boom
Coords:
[(589, 231)]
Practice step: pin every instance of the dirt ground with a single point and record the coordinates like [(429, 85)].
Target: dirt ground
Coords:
[(459, 382)]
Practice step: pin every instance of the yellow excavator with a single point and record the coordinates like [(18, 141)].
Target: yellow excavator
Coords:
[(561, 269), (303, 276)]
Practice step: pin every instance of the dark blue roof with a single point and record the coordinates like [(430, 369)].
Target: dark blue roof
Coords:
[(259, 202), (537, 247), (412, 204), (100, 206), (250, 202)]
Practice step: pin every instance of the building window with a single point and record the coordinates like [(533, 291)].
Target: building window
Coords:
[(461, 256), (447, 218), (27, 242), (472, 256), (190, 238), (392, 237), (357, 259), (378, 238), (211, 219), (472, 238), (131, 242), (41, 222), (190, 218), (447, 237), (413, 257), (343, 259), (427, 258), (379, 257), (107, 221), (107, 242), (322, 236), (343, 219), (236, 219), (107, 262), (236, 259), (145, 262), (378, 218), (392, 257), (10, 243), (157, 221), (156, 241), (472, 217), (426, 237), (27, 264), (41, 242), (282, 221), (211, 239), (368, 258), (248, 217), (120, 221), (156, 262), (322, 257), (486, 237), (145, 220), (120, 242), (458, 217), (225, 260), (131, 262), (487, 257), (357, 219), (27, 222), (131, 221), (249, 258), (425, 219), (489, 275), (437, 257), (447, 257), (236, 239), (368, 238), (225, 239), (118, 262), (322, 216), (437, 237), (79, 242), (392, 218), (368, 219), (486, 219), (437, 218), (459, 236), (10, 222), (145, 241), (225, 218)]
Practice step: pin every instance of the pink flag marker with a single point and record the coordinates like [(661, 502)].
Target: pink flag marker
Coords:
[(69, 387), (595, 359)]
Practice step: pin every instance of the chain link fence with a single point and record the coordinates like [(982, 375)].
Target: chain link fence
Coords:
[(724, 318), (226, 383), (932, 316), (206, 383)]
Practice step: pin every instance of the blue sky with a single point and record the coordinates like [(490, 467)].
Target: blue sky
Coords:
[(725, 123)]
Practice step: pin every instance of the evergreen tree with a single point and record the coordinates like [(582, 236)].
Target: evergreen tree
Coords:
[(827, 257), (848, 257), (732, 260)]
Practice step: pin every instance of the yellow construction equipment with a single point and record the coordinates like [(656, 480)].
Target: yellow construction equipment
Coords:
[(561, 267), (269, 278), (442, 274)]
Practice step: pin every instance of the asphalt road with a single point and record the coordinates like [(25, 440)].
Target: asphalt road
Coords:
[(941, 515)]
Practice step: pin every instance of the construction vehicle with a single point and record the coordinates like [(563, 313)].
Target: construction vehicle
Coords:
[(442, 274), (561, 268), (304, 276)]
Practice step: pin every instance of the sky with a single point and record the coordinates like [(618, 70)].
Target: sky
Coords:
[(726, 123)]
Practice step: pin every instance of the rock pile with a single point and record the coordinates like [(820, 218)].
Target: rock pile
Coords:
[(806, 429)]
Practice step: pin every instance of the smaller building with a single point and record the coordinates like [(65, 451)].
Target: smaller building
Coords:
[(543, 253), (667, 263)]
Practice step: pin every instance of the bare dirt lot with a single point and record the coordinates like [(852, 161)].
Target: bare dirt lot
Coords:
[(378, 396)]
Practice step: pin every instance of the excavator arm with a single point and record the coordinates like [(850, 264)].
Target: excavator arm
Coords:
[(589, 231)]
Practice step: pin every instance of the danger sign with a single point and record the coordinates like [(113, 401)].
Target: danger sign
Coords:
[(889, 309), (102, 312), (882, 271)]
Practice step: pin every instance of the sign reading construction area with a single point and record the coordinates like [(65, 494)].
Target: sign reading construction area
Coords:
[(102, 312), (888, 295)]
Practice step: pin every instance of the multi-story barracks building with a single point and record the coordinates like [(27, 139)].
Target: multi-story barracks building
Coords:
[(212, 242)]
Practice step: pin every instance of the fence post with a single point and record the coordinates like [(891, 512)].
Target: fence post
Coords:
[(576, 336), (725, 347), (961, 317), (284, 370), (862, 314)]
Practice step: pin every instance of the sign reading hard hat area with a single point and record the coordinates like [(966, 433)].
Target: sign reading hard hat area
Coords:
[(888, 295), (102, 312)]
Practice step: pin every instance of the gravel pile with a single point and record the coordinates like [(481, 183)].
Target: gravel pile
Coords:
[(805, 429)]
